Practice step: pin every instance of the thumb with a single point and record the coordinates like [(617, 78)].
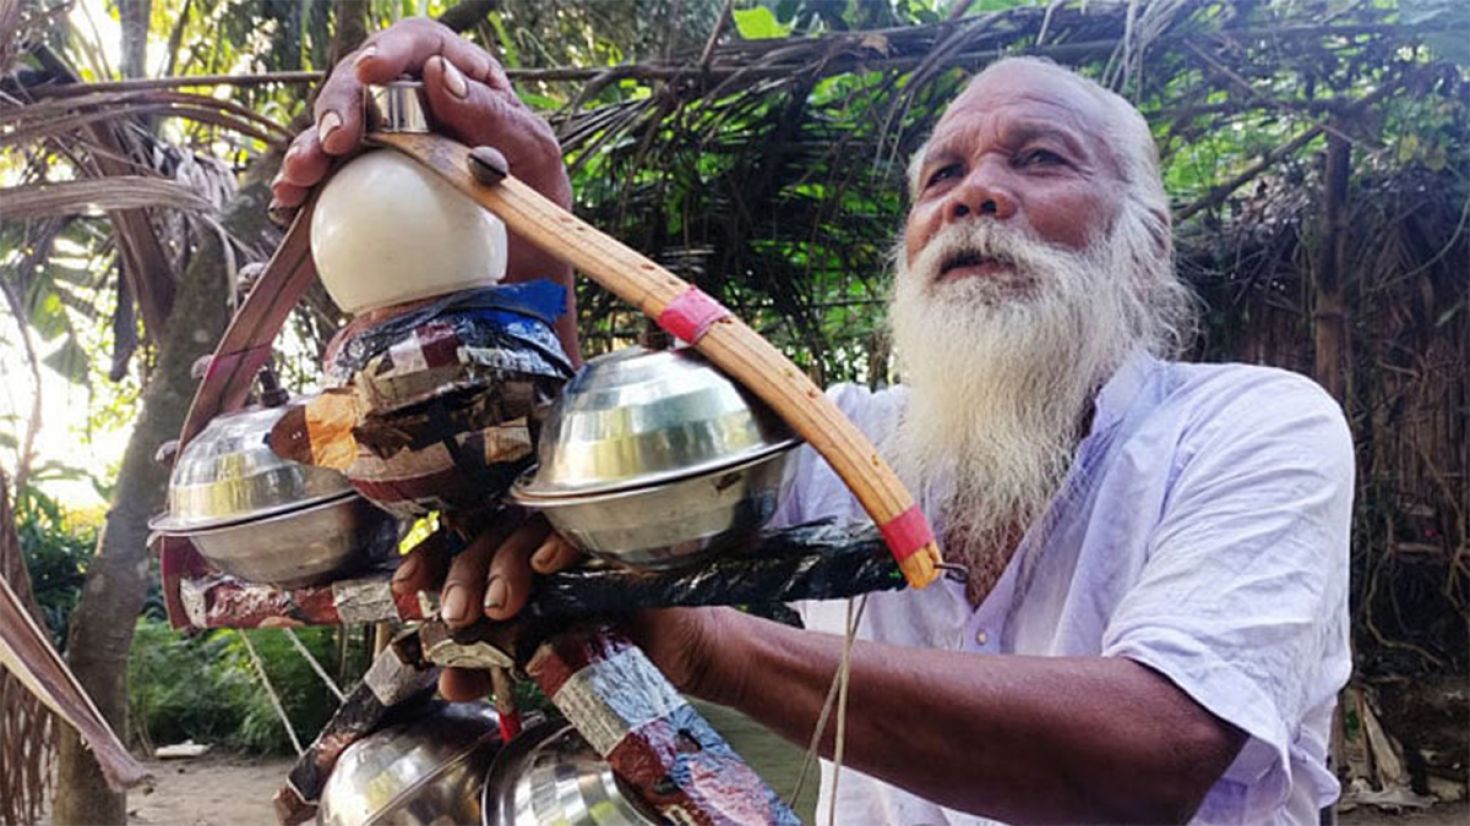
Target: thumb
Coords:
[(467, 109)]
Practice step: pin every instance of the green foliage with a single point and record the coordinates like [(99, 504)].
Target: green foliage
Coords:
[(206, 688), (57, 547), (759, 23)]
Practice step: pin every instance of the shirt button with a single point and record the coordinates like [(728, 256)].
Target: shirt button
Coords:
[(981, 637)]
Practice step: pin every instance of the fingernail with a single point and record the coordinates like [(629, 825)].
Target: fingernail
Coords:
[(455, 605), (454, 81), (496, 594), (279, 215), (327, 125), (543, 557), (406, 570), (364, 55)]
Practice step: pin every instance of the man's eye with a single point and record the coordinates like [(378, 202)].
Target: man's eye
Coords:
[(1041, 157), (951, 171)]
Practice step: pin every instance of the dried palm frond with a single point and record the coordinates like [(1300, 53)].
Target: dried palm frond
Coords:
[(27, 727), (94, 195)]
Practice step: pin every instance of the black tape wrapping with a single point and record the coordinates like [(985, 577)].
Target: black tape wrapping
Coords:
[(820, 560)]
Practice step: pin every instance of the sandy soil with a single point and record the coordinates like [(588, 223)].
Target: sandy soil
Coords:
[(226, 789), (213, 790)]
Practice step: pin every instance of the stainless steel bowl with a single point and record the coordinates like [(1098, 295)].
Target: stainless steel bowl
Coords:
[(654, 459), (228, 474), (428, 771), (319, 542), (640, 417), (266, 519), (675, 523), (549, 776)]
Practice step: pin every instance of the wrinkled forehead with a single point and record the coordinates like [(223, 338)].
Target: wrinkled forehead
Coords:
[(1033, 93)]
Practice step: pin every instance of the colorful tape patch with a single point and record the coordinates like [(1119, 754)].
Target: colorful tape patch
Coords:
[(691, 315), (907, 533)]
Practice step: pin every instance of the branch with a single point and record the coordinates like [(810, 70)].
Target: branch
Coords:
[(714, 36), (28, 445), (468, 13), (1218, 195)]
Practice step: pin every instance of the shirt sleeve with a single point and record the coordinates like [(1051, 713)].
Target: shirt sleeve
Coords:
[(1245, 584)]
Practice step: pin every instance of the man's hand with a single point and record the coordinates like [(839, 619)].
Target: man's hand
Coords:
[(492, 578), (469, 99)]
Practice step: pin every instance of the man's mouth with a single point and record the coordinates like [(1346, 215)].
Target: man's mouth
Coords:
[(968, 264)]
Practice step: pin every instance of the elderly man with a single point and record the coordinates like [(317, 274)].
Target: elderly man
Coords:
[(1154, 626)]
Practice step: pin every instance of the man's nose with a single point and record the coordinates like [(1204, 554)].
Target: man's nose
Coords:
[(981, 194)]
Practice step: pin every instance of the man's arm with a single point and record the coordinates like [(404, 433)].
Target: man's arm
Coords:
[(1024, 739)]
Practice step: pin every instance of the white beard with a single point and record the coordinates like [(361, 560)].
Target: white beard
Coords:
[(1003, 369)]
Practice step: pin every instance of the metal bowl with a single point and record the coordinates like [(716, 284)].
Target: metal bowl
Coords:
[(641, 417), (674, 523), (228, 474), (319, 542), (549, 776), (428, 771), (266, 519)]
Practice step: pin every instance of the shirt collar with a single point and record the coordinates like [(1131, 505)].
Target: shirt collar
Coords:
[(1120, 392)]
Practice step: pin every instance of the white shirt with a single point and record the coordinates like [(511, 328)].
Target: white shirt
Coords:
[(1202, 531)]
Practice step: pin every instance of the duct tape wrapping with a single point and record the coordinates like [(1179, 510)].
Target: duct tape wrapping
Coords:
[(222, 601), (821, 560), (392, 689), (437, 407), (656, 743)]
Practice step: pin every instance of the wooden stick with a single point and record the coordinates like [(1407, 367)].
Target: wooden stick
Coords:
[(729, 343), (245, 346)]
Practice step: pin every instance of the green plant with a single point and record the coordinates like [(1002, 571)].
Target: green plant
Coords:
[(205, 687), (57, 546)]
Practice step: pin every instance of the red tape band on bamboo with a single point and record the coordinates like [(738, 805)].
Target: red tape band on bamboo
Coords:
[(907, 533), (691, 315)]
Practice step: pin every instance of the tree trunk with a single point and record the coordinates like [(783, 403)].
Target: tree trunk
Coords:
[(1329, 316), (117, 578)]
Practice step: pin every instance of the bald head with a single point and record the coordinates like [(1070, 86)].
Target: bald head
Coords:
[(1124, 137)]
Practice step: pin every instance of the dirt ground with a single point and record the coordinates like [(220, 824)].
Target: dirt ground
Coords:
[(213, 790), (226, 790)]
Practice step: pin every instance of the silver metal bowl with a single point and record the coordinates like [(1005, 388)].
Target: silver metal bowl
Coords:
[(228, 474), (641, 417), (549, 776), (266, 519), (320, 542), (674, 523), (655, 459), (428, 771)]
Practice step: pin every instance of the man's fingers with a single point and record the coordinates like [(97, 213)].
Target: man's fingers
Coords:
[(305, 163), (287, 196), (555, 554), (509, 583), (468, 109), (464, 587), (407, 46), (460, 685), (423, 567), (338, 111)]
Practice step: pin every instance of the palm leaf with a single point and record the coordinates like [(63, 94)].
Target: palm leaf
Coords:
[(89, 197)]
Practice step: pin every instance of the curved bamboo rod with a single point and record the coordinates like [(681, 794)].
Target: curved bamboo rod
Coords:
[(727, 341)]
